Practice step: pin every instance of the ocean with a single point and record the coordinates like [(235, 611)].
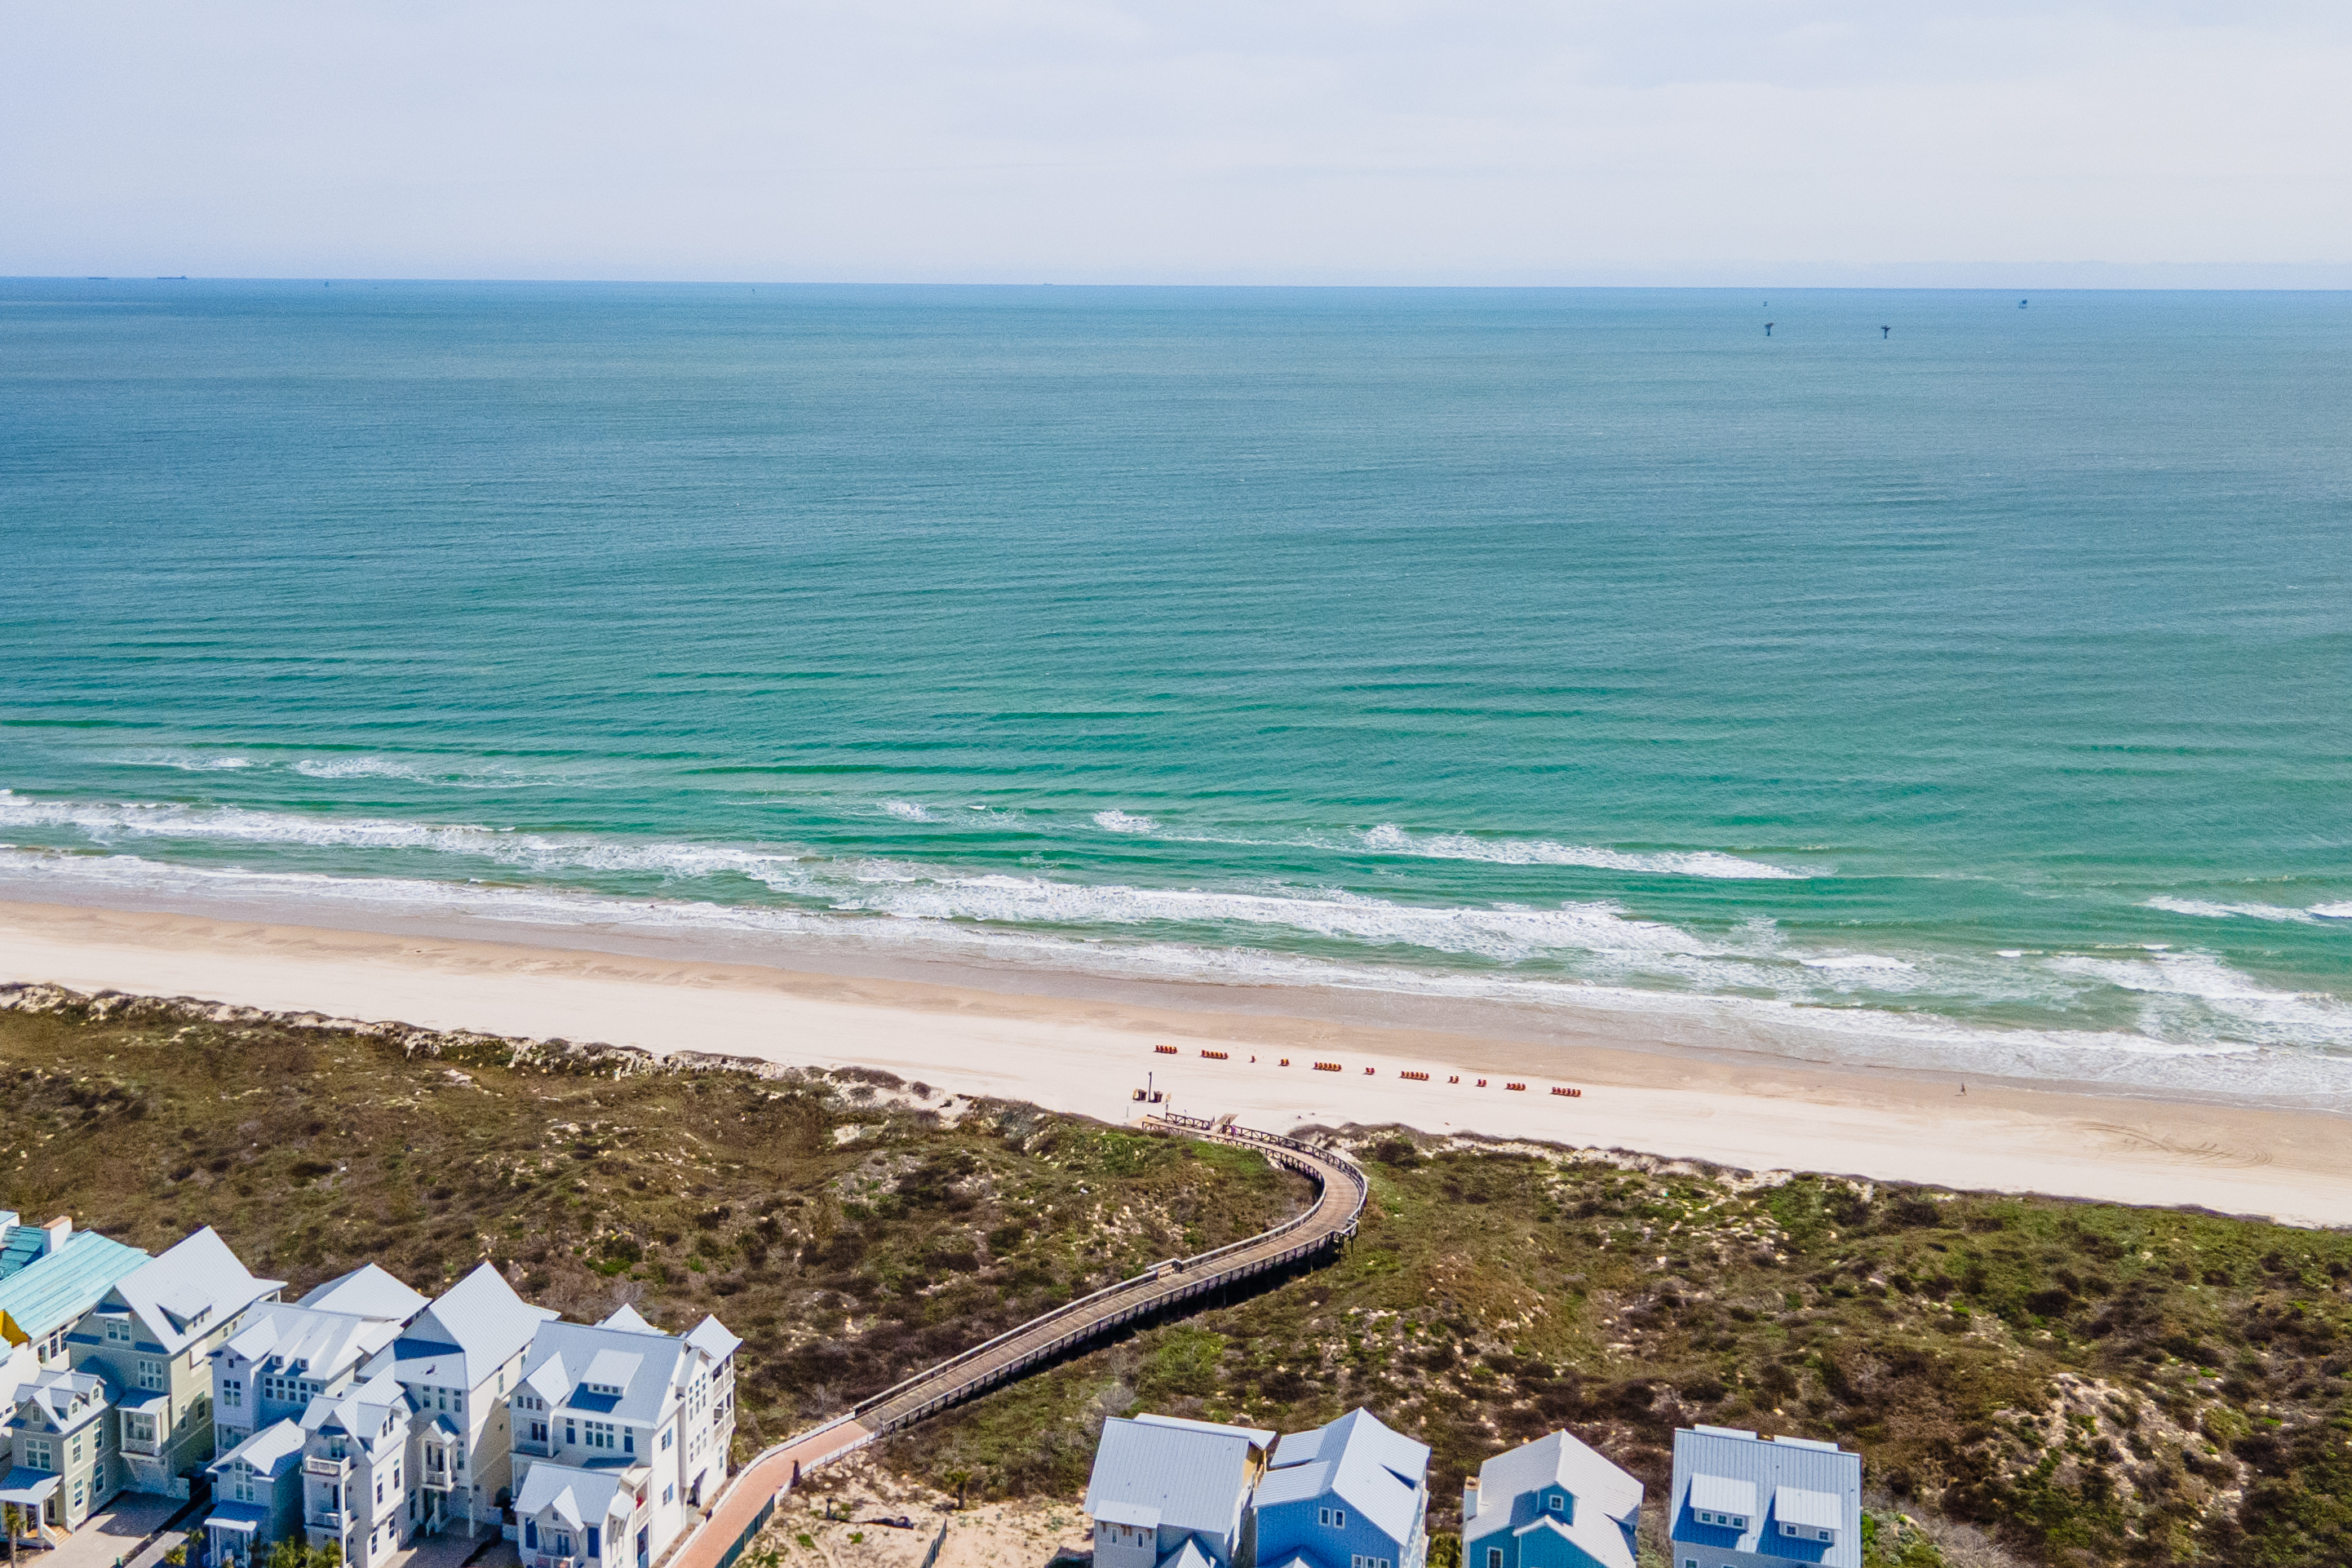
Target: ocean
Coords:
[(1973, 693)]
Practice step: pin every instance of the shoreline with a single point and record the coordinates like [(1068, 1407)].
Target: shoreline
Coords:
[(1660, 1094)]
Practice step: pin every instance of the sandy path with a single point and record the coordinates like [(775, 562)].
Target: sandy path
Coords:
[(1086, 1057)]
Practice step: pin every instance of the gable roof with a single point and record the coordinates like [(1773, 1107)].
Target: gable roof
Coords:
[(477, 1325), (565, 1358), (367, 1291), (712, 1339), (1196, 1476), (272, 1451), (579, 1497), (326, 1344), (1590, 1532), (361, 1411), (192, 1288), (60, 1286), (628, 1321), (1607, 1499), (1357, 1460), (57, 1391)]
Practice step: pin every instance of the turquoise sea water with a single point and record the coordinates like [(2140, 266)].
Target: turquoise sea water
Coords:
[(1986, 686)]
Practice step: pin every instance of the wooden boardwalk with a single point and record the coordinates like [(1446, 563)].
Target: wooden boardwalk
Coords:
[(739, 1512)]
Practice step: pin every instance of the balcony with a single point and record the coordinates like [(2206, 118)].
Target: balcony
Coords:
[(319, 1466), (327, 1518), (139, 1448)]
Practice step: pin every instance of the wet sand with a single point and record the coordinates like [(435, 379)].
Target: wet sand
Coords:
[(1087, 1054)]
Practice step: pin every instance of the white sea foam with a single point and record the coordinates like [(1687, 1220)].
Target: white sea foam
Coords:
[(908, 811), (2189, 993), (2228, 911), (1116, 821), (1849, 1033), (2189, 1004), (2333, 912), (182, 762), (1390, 839)]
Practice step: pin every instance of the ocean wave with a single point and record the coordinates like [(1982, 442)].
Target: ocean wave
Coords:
[(1390, 839), (2228, 911), (2333, 912), (908, 811), (1116, 821), (2186, 993), (182, 762), (1859, 961), (1846, 1035)]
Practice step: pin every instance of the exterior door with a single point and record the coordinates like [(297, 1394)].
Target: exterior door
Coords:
[(645, 1556)]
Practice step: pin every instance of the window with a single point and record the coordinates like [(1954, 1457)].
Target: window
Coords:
[(76, 1458), (1690, 1562), (1553, 1503), (231, 1392), (150, 1375), (1493, 1557), (628, 1441), (669, 1494), (118, 1331), (666, 1437), (571, 1434), (37, 1453), (531, 1535)]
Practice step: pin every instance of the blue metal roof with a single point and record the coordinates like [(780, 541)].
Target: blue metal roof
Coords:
[(54, 1289), (1812, 1476)]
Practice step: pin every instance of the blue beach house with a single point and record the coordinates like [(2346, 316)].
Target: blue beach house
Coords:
[(1744, 1501), (1551, 1503), (1350, 1495)]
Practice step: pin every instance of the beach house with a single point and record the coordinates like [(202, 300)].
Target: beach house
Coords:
[(619, 1428), (359, 1494), (65, 1462), (150, 1337), (58, 1446), (1351, 1494), (1744, 1501), (1171, 1493), (1551, 1503), (257, 1496), (456, 1361), (283, 1357), (49, 1276)]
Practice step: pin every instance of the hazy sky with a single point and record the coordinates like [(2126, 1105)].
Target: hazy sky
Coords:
[(1478, 141)]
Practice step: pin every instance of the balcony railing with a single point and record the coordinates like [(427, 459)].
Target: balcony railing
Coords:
[(317, 1464), (327, 1518), (141, 1448)]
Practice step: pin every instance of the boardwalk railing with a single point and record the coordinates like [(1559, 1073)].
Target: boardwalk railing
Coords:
[(1327, 1224), (1053, 1334)]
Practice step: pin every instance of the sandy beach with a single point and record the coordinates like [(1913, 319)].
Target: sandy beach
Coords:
[(1088, 1056)]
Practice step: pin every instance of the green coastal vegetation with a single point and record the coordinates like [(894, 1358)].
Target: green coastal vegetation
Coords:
[(2033, 1379)]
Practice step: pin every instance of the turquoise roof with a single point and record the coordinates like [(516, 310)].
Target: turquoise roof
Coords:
[(53, 1290)]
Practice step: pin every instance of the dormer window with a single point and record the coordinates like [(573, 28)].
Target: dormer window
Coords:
[(1555, 1503), (118, 1331)]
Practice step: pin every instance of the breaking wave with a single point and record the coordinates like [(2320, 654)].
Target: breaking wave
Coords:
[(1390, 839)]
